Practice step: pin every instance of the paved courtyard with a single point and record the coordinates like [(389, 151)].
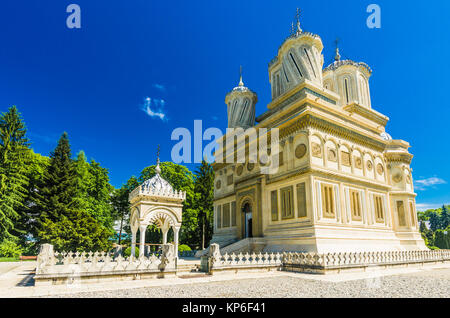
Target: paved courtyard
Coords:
[(16, 280), (434, 283)]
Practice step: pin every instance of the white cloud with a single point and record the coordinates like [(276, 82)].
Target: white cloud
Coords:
[(160, 87), (422, 185), (427, 206), (154, 108)]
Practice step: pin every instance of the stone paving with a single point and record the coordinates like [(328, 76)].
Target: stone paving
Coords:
[(424, 284), (16, 280)]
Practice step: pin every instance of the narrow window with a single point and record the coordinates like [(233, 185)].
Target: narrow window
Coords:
[(310, 63), (286, 203), (274, 205), (401, 213), (355, 205), (295, 63), (328, 201), (219, 216), (244, 109), (279, 85), (346, 90), (301, 200), (226, 215), (379, 213), (233, 213), (413, 219), (285, 75)]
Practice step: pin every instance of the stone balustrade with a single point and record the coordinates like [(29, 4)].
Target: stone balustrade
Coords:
[(320, 263), (64, 266), (164, 192), (343, 260)]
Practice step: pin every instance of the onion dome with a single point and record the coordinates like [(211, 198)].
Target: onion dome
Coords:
[(241, 103)]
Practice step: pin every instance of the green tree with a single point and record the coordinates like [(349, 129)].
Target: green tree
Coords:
[(14, 160), (445, 218), (62, 220), (121, 207), (94, 190), (204, 203), (29, 213), (442, 239), (435, 221)]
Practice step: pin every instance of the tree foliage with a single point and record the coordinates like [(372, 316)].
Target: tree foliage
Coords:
[(14, 160), (63, 221), (204, 202)]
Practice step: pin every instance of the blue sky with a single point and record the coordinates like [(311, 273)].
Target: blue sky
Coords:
[(185, 56)]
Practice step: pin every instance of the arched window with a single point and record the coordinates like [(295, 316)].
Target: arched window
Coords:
[(244, 110), (296, 65), (309, 60), (278, 85), (346, 90)]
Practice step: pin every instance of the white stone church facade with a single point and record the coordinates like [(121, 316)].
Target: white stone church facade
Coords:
[(343, 185)]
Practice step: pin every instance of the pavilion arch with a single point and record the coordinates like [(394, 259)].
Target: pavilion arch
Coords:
[(155, 202), (160, 216)]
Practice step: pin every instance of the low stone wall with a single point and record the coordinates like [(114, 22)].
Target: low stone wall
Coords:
[(319, 263), (72, 267), (216, 262), (338, 262)]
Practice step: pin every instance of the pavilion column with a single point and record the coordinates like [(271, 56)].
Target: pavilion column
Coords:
[(142, 230), (165, 236), (133, 242), (175, 235)]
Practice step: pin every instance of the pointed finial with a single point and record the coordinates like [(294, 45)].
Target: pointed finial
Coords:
[(337, 57), (241, 83), (292, 28), (297, 16), (158, 169)]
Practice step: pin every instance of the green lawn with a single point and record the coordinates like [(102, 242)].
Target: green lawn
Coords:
[(9, 259)]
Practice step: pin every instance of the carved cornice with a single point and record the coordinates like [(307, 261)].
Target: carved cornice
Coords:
[(367, 113), (332, 129), (399, 157)]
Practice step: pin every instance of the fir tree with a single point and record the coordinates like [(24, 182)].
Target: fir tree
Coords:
[(435, 221), (14, 159), (204, 190), (63, 221), (445, 218)]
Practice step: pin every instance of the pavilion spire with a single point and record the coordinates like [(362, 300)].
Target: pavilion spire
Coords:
[(158, 169), (337, 57), (241, 83)]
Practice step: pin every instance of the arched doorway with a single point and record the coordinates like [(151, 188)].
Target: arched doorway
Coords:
[(248, 219)]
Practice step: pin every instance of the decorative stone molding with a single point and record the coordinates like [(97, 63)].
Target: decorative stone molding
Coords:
[(65, 266), (300, 151), (321, 262)]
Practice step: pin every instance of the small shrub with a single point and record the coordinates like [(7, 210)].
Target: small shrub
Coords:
[(9, 248), (127, 252), (184, 248)]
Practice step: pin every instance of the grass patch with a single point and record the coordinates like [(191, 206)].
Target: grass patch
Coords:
[(9, 259)]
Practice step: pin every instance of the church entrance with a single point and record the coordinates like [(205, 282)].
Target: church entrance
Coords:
[(247, 210)]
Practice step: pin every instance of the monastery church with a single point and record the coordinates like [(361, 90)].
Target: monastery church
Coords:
[(343, 184)]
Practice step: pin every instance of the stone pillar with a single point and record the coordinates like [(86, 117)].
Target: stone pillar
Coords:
[(133, 243), (142, 229), (165, 237), (175, 235)]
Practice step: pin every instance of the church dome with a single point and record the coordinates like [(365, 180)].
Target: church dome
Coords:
[(299, 59), (241, 106), (349, 79), (157, 183)]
